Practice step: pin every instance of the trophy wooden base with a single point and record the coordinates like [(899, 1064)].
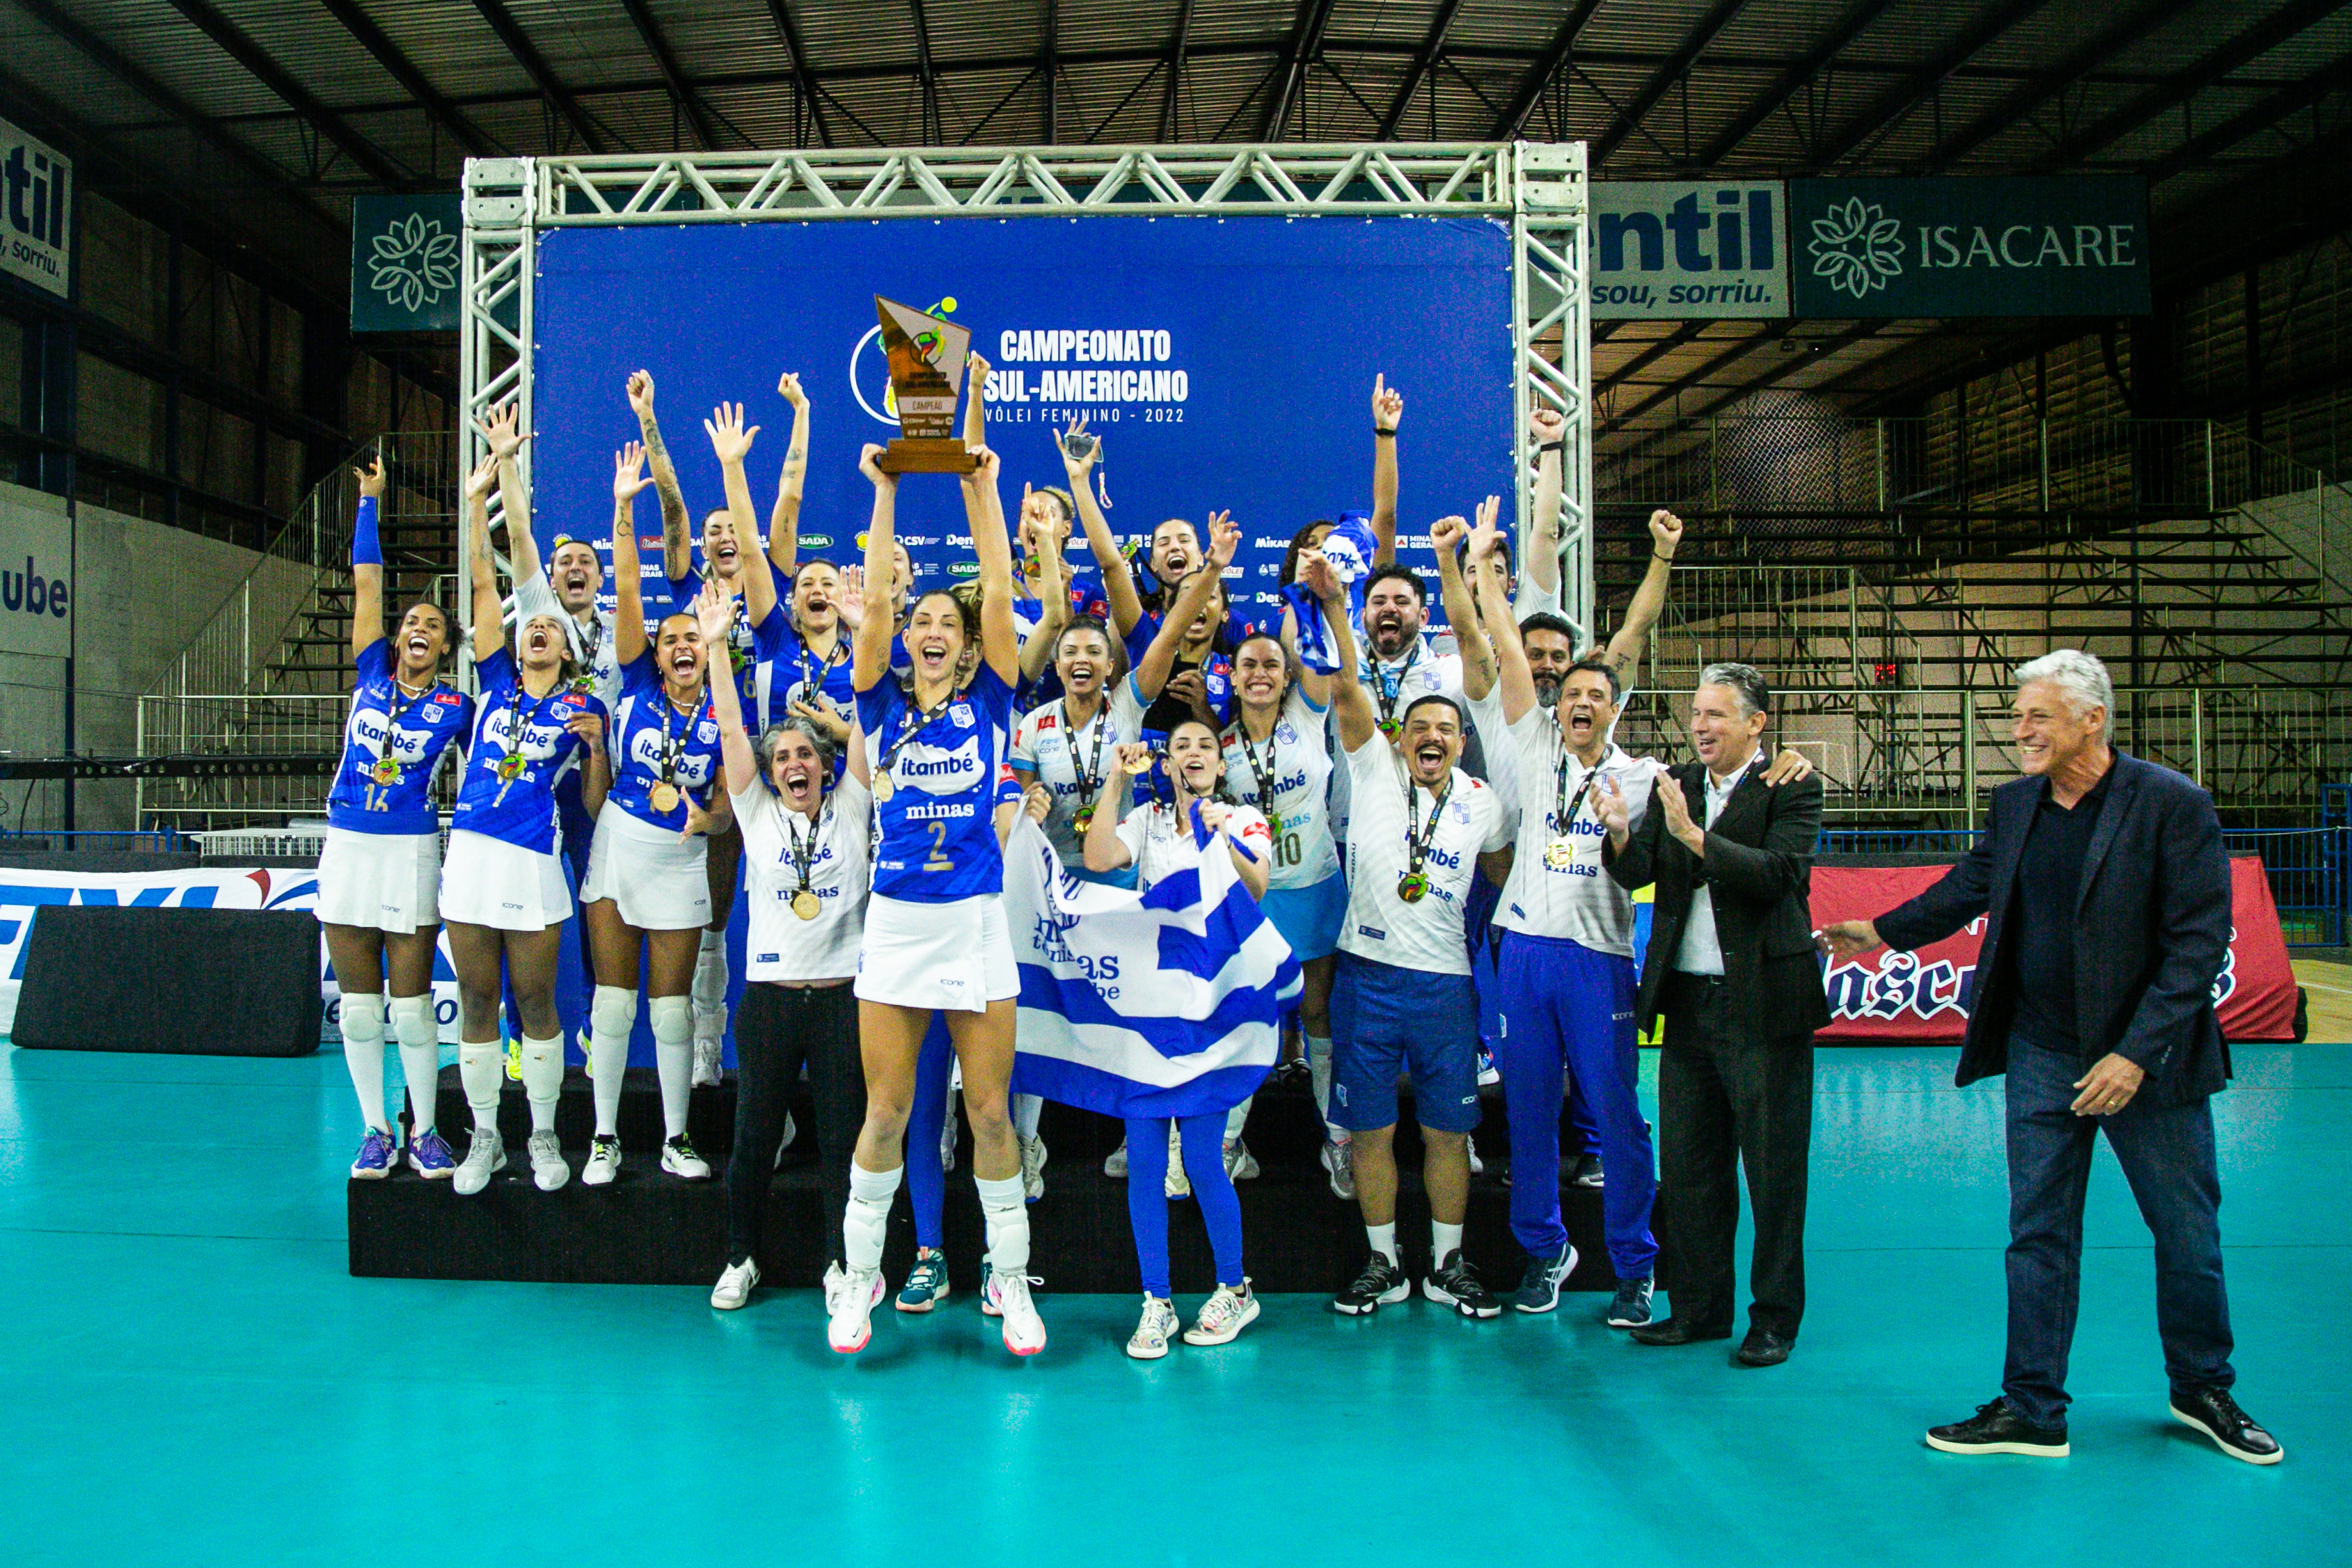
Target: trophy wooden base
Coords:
[(926, 454)]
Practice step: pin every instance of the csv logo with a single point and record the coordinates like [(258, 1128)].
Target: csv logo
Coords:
[(35, 207)]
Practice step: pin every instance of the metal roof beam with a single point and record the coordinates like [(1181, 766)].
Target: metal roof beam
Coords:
[(1530, 92), (1298, 49), (2255, 118), (553, 88), (1889, 108), (681, 92), (811, 94), (1662, 81), (1736, 351), (1177, 52), (924, 76), (1423, 60), (460, 127), (2069, 70), (1049, 64), (240, 47), (1791, 81), (1650, 354)]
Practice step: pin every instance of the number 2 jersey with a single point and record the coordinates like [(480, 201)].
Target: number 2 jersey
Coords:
[(514, 801), (934, 833), (415, 732)]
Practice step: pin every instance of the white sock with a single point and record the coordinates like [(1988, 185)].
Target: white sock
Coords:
[(1445, 1241), (1004, 1207), (542, 1078), (709, 988), (674, 1054), (612, 1014), (419, 1030), (1383, 1239), (1026, 1108), (1318, 1071), (1235, 1119), (482, 1067), (363, 1054), (867, 1218)]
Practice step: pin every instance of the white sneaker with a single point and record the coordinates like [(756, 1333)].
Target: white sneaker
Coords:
[(1224, 1315), (734, 1287), (1149, 1340), (833, 1279), (706, 1063), (547, 1165), (1339, 1162), (1032, 1168), (1470, 1147), (1177, 1184), (783, 1142), (484, 1159), (1114, 1167), (1240, 1164), (604, 1164), (853, 1310), (1007, 1297), (680, 1159)]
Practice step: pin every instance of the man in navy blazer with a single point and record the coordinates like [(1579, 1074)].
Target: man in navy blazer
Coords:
[(2107, 898)]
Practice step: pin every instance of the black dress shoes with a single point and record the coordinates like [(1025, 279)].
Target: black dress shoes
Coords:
[(1675, 1331), (1763, 1348), (2213, 1412)]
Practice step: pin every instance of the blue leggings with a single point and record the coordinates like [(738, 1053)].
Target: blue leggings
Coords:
[(927, 1182), (1146, 1195)]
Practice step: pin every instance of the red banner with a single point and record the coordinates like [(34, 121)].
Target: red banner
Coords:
[(1914, 998)]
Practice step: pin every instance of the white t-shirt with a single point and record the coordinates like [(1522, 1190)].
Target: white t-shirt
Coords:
[(1045, 747), (780, 945), (1577, 899), (1298, 755), (1426, 935), (1152, 835), (1701, 952), (1420, 671)]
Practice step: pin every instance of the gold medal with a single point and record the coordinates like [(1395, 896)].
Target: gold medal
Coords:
[(884, 786), (510, 767), (1084, 818), (1413, 886), (1391, 728), (804, 904), (1560, 854), (386, 771), (1273, 825), (665, 797), (1139, 766)]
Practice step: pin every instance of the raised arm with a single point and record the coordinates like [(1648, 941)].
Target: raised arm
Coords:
[(1387, 408), (367, 560), (1510, 652), (1624, 650), (505, 440), (628, 576), (1104, 848), (1159, 661), (1541, 562), (678, 555), (1446, 535), (983, 508), (717, 618), (1053, 609), (1349, 702), (1311, 681), (870, 659), (489, 614), (731, 443), (975, 401), (1119, 582), (784, 522)]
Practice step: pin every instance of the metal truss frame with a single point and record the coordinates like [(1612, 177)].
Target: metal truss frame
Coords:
[(1539, 189)]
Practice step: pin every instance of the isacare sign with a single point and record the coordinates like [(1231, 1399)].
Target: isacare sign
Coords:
[(1674, 251), (2070, 246), (406, 263), (36, 212)]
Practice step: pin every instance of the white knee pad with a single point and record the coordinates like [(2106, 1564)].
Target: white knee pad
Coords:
[(612, 1014), (673, 1019), (483, 1068), (414, 1023), (711, 971), (362, 1019), (866, 1220), (542, 1070)]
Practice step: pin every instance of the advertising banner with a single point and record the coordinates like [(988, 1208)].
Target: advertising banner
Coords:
[(2076, 246), (1227, 364), (36, 212), (36, 586), (1665, 250), (406, 261), (1914, 998)]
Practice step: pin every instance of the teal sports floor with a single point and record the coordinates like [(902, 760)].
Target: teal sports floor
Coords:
[(192, 1378)]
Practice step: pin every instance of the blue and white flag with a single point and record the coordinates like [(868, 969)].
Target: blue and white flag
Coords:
[(1162, 1003), (1349, 548)]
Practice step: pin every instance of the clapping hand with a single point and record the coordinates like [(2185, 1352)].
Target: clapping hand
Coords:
[(1608, 806), (1678, 817)]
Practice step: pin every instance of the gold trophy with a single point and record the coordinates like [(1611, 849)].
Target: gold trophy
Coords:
[(927, 358)]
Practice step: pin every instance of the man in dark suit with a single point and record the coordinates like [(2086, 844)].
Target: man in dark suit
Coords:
[(1731, 963), (2107, 894)]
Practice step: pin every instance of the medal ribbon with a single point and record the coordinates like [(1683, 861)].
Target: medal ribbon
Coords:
[(1417, 837), (1262, 772), (916, 719), (1564, 810), (803, 856), (1386, 683), (1091, 777)]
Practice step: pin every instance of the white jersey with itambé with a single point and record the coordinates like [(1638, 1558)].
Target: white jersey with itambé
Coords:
[(1560, 885), (1072, 762), (1288, 778), (784, 851), (1395, 684), (1425, 933), (1155, 837)]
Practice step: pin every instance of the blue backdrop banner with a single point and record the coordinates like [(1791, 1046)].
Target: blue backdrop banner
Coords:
[(1227, 362)]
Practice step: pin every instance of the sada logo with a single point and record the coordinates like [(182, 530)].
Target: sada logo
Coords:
[(819, 542), (869, 373)]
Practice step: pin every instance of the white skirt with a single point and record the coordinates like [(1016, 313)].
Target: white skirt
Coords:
[(380, 882), (952, 957), (658, 881), (489, 881)]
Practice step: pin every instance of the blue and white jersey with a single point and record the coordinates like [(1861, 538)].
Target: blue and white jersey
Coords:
[(520, 748), (646, 728), (935, 815), (1295, 799), (604, 651), (751, 651), (1074, 761), (795, 669), (412, 733)]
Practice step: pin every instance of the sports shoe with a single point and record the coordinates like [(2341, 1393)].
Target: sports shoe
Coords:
[(1456, 1284), (833, 1279), (1223, 1317), (1179, 1184), (2214, 1413), (926, 1283), (1294, 1071), (429, 1156), (378, 1156), (547, 1164), (1470, 1147), (484, 1159), (1588, 1171), (1998, 1428), (1540, 1286), (514, 1058), (706, 1063), (1488, 1073), (1115, 1164), (1240, 1164), (603, 1163), (852, 1323), (1382, 1284), (734, 1287), (1149, 1340), (1339, 1164), (680, 1159), (1630, 1307), (1007, 1297), (1032, 1168)]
